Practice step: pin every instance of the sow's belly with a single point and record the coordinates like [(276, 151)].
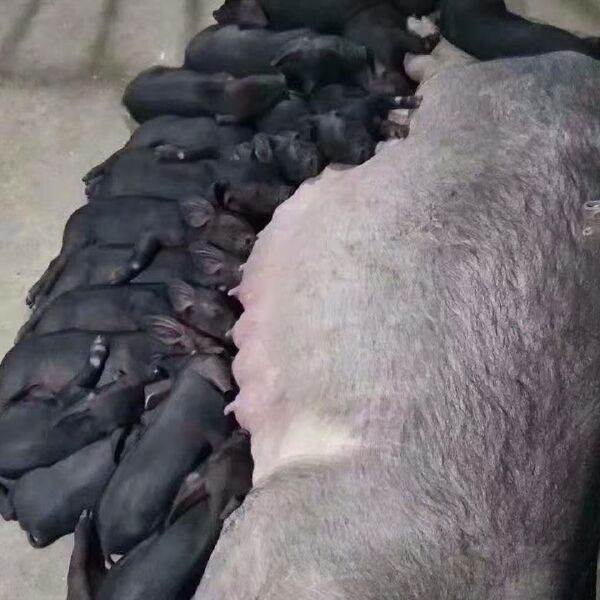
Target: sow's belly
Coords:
[(437, 308)]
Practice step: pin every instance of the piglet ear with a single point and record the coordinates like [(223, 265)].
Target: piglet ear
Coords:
[(191, 492), (86, 569), (248, 13), (181, 295), (167, 330), (208, 258), (251, 14), (220, 190), (197, 211), (218, 371), (262, 148), (290, 53), (307, 128), (117, 444), (243, 151)]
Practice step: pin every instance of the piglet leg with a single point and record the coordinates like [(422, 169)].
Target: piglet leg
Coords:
[(47, 280), (101, 169), (143, 254), (29, 325), (7, 510), (86, 569), (171, 153), (88, 377), (389, 130)]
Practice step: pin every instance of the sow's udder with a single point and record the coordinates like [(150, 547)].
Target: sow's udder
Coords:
[(292, 333)]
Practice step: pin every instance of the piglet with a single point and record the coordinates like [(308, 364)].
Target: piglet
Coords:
[(139, 172), (296, 159), (37, 433), (175, 138), (48, 501), (239, 51), (168, 565), (190, 424), (370, 109), (340, 140), (383, 29), (204, 221), (286, 115), (309, 62), (199, 263), (123, 308), (286, 14), (35, 367), (87, 567), (149, 225), (166, 90)]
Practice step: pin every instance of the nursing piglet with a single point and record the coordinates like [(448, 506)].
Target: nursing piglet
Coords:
[(199, 263), (123, 308), (190, 425), (169, 564)]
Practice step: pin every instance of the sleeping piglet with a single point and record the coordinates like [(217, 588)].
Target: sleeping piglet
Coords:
[(296, 159), (148, 224), (239, 51), (35, 364), (168, 565), (123, 308), (48, 501), (139, 172), (36, 433), (178, 138), (190, 424), (313, 61), (167, 90), (199, 263)]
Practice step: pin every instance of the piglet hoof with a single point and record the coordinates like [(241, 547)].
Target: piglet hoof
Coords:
[(7, 510), (169, 153), (22, 333), (422, 26), (31, 297), (98, 351), (35, 542), (392, 130), (92, 174), (119, 276), (410, 102), (92, 187), (430, 42)]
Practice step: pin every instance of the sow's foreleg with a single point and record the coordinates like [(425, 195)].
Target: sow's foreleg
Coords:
[(419, 371)]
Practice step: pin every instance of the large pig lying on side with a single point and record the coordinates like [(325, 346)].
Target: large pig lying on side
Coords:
[(420, 372)]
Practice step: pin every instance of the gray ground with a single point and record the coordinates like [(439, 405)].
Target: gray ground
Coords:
[(63, 66)]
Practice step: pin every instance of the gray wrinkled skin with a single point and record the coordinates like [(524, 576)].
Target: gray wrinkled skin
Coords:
[(419, 363)]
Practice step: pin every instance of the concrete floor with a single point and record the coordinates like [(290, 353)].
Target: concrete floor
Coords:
[(63, 66)]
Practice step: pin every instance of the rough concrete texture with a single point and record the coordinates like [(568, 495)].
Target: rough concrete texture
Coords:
[(63, 66)]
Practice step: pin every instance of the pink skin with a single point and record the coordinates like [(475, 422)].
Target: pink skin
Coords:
[(262, 405)]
